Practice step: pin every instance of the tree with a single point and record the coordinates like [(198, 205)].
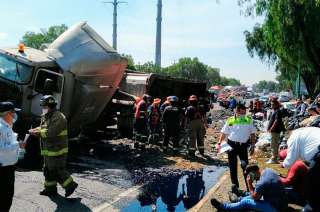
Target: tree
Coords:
[(288, 37), (188, 68), (213, 76), (130, 59), (148, 67), (35, 40), (270, 86)]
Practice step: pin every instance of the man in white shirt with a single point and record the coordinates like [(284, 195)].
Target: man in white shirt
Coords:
[(304, 144), (9, 151), (238, 130)]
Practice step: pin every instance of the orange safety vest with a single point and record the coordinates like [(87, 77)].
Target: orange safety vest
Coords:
[(139, 113)]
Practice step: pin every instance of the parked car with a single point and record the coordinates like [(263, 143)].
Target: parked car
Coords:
[(284, 98), (264, 99)]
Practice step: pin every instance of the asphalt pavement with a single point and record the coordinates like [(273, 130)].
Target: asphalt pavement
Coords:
[(99, 189)]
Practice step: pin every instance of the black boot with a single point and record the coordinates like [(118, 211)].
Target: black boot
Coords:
[(71, 188), (49, 192), (218, 205)]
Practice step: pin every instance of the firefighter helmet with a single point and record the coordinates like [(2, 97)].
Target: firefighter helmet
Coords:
[(174, 99), (48, 100), (193, 98)]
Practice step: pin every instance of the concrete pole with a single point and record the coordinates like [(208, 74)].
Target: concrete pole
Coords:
[(115, 4), (114, 35), (158, 35)]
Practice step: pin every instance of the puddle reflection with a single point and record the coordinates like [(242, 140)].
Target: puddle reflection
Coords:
[(175, 192)]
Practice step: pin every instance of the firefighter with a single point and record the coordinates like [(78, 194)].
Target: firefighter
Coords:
[(141, 119), (171, 121), (54, 148), (154, 121), (165, 104), (196, 124)]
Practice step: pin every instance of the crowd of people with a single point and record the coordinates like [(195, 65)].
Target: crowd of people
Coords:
[(300, 155), (157, 121), (160, 123)]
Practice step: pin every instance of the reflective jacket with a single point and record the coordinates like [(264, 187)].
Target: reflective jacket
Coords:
[(195, 113), (141, 110), (154, 114), (54, 134)]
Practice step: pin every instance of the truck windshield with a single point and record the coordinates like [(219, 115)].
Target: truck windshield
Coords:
[(14, 71)]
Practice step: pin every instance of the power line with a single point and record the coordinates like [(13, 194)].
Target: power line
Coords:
[(115, 4)]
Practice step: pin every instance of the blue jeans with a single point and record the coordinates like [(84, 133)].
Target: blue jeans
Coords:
[(249, 203)]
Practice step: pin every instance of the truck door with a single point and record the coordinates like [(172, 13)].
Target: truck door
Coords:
[(46, 83)]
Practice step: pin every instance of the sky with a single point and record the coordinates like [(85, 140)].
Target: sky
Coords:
[(208, 29)]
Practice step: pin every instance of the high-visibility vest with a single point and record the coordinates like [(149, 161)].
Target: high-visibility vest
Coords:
[(141, 113), (54, 134), (239, 121)]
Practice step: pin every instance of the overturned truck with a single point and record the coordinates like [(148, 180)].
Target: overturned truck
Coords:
[(79, 68)]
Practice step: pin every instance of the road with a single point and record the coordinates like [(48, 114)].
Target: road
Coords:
[(114, 177), (105, 185)]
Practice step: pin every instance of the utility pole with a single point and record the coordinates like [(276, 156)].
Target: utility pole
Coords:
[(115, 4), (158, 36)]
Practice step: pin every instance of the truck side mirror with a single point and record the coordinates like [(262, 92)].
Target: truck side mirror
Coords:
[(49, 86)]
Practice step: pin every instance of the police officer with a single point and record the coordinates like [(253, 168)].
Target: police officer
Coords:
[(154, 116), (54, 148), (196, 124), (140, 125), (238, 130), (9, 151), (171, 121)]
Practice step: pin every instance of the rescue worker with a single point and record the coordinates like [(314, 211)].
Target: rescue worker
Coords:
[(238, 130), (134, 134), (196, 124), (141, 118), (9, 152), (154, 116), (165, 104), (171, 124), (54, 148)]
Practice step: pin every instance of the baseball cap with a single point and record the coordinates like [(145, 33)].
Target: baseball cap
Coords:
[(8, 106)]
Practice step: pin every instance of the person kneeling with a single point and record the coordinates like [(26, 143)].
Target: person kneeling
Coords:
[(268, 186)]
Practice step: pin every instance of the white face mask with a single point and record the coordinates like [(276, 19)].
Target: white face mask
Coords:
[(45, 111)]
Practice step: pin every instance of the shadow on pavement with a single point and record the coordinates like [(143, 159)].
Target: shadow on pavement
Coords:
[(69, 204)]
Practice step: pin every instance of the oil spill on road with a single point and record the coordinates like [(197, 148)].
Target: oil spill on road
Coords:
[(175, 191)]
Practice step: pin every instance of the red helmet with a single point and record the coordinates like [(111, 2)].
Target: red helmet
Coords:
[(193, 98)]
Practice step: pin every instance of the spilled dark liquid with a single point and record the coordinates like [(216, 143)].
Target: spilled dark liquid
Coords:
[(175, 192)]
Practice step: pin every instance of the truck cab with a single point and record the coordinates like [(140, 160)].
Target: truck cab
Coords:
[(26, 75), (79, 69)]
